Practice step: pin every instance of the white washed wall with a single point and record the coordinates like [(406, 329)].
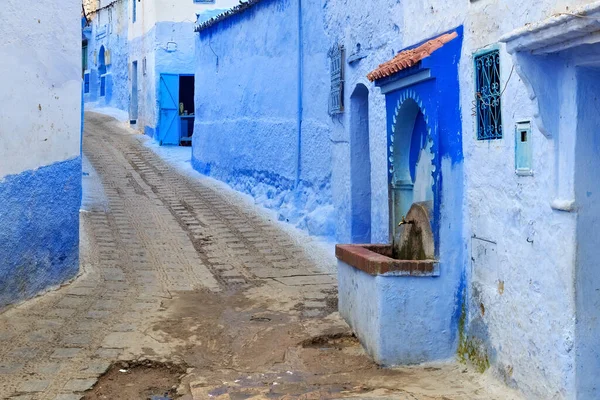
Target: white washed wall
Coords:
[(40, 88)]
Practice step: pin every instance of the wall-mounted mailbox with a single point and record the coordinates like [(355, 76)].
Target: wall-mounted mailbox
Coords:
[(523, 150)]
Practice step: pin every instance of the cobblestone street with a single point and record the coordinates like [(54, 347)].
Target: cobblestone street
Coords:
[(175, 271)]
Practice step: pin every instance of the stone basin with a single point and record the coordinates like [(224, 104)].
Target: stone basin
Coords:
[(393, 305), (376, 259)]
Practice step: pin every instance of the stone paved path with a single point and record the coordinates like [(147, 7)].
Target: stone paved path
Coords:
[(175, 270), (149, 233)]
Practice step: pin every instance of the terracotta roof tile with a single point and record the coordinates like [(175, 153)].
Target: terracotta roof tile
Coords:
[(408, 58)]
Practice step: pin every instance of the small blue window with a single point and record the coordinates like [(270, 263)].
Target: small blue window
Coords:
[(134, 14), (487, 95), (204, 1), (86, 83)]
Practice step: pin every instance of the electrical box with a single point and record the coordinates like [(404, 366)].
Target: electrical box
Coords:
[(523, 150)]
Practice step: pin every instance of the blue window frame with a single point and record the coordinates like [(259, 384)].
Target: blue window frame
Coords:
[(487, 95), (86, 82)]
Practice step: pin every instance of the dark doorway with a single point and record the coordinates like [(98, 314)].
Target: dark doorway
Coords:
[(186, 109)]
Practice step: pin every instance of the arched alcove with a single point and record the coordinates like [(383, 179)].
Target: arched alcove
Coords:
[(360, 165), (411, 158)]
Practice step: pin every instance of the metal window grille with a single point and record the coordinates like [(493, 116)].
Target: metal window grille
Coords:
[(336, 96), (144, 66), (86, 83), (487, 96)]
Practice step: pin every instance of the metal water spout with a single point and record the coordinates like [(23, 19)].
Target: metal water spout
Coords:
[(404, 221)]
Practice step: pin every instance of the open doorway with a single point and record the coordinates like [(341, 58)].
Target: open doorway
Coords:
[(186, 109), (176, 119)]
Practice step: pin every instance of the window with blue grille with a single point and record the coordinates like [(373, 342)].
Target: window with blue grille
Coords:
[(86, 83), (487, 95), (134, 14), (336, 96)]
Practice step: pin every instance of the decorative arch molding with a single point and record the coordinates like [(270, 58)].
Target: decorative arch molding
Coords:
[(408, 95), (411, 178)]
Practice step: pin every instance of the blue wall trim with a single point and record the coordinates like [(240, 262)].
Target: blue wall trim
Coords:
[(39, 229)]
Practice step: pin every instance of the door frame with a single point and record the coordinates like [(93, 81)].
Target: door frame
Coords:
[(160, 135)]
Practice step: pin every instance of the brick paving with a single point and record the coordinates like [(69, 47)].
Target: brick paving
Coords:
[(147, 232)]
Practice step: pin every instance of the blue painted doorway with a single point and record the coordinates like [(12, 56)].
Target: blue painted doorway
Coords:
[(168, 95), (176, 118)]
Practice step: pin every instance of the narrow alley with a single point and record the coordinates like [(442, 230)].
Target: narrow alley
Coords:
[(185, 294)]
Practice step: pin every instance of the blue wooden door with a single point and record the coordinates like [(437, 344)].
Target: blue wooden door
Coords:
[(168, 122)]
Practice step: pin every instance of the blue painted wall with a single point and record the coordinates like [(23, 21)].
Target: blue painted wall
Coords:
[(587, 195), (169, 49), (39, 229), (109, 31), (40, 169), (248, 104), (399, 320)]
